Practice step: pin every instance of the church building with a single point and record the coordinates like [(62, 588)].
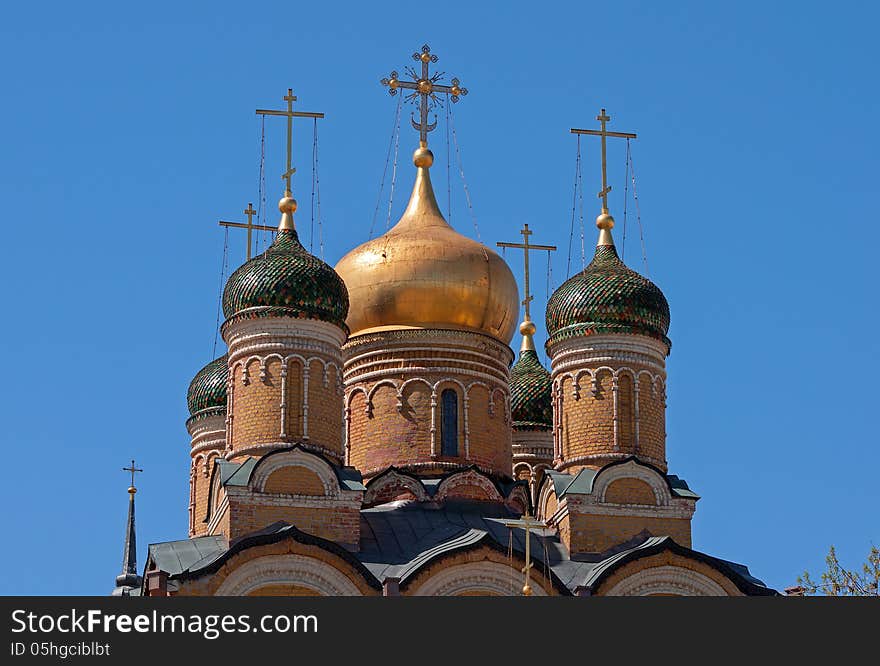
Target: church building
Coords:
[(370, 430)]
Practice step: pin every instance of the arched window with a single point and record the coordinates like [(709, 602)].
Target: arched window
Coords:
[(449, 423)]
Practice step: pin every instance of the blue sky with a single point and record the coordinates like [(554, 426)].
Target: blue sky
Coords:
[(126, 134)]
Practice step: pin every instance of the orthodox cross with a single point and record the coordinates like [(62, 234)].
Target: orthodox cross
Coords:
[(132, 469), (604, 118), (527, 523), (250, 226), (424, 86), (290, 114), (525, 246)]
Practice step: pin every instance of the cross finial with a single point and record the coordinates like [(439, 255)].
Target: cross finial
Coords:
[(603, 118), (132, 469), (527, 523), (250, 226), (290, 114), (425, 87), (525, 246)]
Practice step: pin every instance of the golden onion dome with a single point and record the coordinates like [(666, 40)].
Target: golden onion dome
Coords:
[(424, 274)]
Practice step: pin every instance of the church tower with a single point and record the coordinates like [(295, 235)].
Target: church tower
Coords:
[(285, 324), (427, 362), (531, 403), (206, 400), (607, 342), (426, 366), (531, 408)]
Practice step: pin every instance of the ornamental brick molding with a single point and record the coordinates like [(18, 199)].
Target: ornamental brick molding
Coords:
[(295, 458), (290, 569), (392, 482), (632, 470), (476, 578), (459, 484), (667, 580)]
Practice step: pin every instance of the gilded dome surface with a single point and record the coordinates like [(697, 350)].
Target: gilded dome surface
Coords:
[(286, 281), (424, 274), (207, 390), (531, 405), (607, 297)]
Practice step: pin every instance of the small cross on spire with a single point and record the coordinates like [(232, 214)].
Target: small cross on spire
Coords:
[(290, 114), (250, 226), (525, 246), (132, 469), (603, 118)]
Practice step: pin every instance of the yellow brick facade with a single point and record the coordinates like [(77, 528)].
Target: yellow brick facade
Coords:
[(608, 408), (595, 533)]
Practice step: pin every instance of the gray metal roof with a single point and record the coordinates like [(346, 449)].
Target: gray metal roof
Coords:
[(239, 474), (175, 557), (582, 483), (399, 539)]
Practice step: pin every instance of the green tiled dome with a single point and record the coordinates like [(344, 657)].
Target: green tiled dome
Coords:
[(207, 390), (531, 406), (607, 297), (286, 281)]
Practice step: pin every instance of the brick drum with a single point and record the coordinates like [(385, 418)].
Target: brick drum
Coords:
[(394, 382)]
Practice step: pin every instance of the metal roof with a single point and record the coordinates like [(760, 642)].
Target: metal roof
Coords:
[(174, 557), (399, 539)]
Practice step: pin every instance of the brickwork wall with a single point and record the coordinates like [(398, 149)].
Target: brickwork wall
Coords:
[(588, 424), (652, 419), (630, 491), (334, 523), (403, 373), (201, 490), (591, 533), (256, 406), (294, 398), (626, 419), (388, 436), (325, 408), (294, 480), (490, 432)]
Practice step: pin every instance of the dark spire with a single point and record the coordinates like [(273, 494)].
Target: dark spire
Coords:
[(129, 581)]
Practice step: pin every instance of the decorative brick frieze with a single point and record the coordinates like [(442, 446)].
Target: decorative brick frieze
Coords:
[(394, 414)]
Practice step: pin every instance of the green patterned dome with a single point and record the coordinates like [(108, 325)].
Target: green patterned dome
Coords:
[(207, 390), (286, 281), (607, 297), (531, 405)]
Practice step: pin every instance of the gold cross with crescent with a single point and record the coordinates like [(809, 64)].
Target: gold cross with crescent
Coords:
[(425, 86), (250, 226), (602, 132), (525, 246), (290, 114)]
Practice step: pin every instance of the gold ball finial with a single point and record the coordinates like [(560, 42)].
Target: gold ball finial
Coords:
[(605, 221), (423, 157), (287, 204), (132, 490), (527, 328), (527, 590)]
